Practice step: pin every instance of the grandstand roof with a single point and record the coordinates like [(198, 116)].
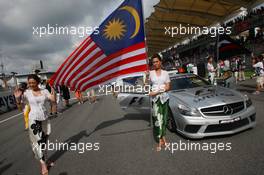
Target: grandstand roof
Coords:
[(187, 13)]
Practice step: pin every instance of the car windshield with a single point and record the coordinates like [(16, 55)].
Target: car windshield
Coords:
[(186, 82)]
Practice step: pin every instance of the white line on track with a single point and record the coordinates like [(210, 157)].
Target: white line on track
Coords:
[(14, 116)]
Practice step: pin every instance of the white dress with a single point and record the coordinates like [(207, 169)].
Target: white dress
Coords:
[(211, 72), (158, 84), (37, 104), (39, 124)]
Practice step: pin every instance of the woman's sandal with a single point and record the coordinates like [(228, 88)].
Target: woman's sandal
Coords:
[(162, 142), (45, 172), (165, 143), (50, 164), (158, 148)]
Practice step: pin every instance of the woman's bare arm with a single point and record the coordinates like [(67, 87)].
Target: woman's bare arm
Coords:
[(18, 95), (52, 96)]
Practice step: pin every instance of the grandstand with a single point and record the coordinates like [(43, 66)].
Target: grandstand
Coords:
[(244, 17)]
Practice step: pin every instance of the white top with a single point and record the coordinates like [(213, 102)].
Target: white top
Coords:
[(210, 68), (195, 70), (260, 65), (38, 110), (227, 64), (158, 84)]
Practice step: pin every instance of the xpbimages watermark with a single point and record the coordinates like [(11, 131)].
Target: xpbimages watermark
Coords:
[(173, 31), (79, 147), (212, 147), (141, 89), (80, 31)]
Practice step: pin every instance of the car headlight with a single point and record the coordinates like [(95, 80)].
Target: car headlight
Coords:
[(184, 110), (248, 101)]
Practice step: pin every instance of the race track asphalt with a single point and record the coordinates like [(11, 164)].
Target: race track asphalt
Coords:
[(123, 144)]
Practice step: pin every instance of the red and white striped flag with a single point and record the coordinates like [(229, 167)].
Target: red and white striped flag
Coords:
[(118, 51)]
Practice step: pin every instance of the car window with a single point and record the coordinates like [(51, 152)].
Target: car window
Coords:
[(186, 82), (133, 85), (138, 80)]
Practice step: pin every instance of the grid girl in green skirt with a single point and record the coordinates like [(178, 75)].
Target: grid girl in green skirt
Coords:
[(160, 83)]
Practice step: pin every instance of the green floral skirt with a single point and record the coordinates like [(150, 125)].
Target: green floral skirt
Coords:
[(160, 116)]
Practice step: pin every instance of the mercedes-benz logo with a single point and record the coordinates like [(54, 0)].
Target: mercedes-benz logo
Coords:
[(228, 110)]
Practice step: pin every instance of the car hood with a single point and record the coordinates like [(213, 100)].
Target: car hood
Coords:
[(207, 96)]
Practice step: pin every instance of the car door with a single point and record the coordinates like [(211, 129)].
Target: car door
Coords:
[(134, 96), (134, 102)]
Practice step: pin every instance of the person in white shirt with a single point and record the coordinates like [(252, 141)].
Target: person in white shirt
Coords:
[(211, 70), (234, 68), (195, 70), (160, 84), (39, 125), (227, 65), (241, 69), (259, 68)]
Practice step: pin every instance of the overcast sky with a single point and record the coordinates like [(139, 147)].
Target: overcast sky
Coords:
[(20, 50)]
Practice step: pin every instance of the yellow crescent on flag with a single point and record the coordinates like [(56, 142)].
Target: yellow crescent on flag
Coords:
[(135, 15)]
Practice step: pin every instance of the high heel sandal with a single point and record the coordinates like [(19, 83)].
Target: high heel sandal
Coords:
[(162, 142), (50, 164), (158, 148), (45, 173)]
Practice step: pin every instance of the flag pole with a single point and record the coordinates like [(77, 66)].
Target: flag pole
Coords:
[(147, 60), (217, 48)]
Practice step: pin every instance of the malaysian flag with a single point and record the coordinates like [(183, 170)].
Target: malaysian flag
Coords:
[(118, 51)]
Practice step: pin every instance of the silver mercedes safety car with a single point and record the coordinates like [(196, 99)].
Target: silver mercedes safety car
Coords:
[(196, 108)]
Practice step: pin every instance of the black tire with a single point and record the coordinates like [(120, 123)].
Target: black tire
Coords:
[(171, 124)]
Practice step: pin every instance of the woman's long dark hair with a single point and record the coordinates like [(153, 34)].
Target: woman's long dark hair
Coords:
[(35, 77)]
